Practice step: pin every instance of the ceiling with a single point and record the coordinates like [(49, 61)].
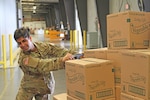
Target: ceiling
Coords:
[(42, 6)]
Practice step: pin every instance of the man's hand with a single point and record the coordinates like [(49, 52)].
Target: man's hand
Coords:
[(68, 56)]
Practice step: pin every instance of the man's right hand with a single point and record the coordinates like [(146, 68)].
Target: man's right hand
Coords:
[(68, 56)]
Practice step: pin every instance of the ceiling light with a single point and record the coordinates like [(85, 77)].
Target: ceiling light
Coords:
[(34, 7), (34, 11)]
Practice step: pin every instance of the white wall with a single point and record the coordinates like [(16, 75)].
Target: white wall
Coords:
[(7, 22), (35, 24)]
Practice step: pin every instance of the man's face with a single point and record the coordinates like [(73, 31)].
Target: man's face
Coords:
[(24, 43)]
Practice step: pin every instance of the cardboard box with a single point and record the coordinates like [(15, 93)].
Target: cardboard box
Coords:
[(128, 29), (62, 96), (114, 55), (136, 98), (90, 79), (135, 74), (110, 99), (118, 92), (125, 96), (99, 53), (71, 98)]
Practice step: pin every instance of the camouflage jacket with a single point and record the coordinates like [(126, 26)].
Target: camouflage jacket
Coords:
[(45, 59)]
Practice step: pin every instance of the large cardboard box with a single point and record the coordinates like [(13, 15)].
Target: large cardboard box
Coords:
[(110, 99), (71, 98), (114, 55), (62, 96), (100, 53), (125, 96), (90, 79), (135, 73), (118, 92), (128, 29)]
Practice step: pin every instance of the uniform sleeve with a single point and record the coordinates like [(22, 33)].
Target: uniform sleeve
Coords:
[(51, 63), (45, 65), (54, 50), (57, 51)]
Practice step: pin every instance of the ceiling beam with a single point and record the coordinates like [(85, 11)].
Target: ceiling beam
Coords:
[(48, 2), (37, 11)]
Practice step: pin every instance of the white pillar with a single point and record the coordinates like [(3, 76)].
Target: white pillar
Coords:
[(91, 15)]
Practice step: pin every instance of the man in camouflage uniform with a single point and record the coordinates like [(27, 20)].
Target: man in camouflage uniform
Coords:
[(36, 61)]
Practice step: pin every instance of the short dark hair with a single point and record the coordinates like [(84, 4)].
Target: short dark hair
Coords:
[(21, 32)]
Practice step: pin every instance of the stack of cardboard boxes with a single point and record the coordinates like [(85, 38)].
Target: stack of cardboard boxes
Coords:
[(119, 71), (128, 36), (129, 33)]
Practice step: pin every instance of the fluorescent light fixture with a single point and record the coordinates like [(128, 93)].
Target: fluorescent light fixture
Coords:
[(34, 7), (34, 11)]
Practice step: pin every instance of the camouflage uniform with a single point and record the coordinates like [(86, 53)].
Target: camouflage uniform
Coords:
[(37, 72)]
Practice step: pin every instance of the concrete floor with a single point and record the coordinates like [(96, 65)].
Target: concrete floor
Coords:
[(10, 78)]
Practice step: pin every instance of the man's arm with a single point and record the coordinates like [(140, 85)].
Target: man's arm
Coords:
[(58, 51), (46, 65)]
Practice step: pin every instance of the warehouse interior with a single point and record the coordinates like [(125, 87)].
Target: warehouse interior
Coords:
[(113, 37)]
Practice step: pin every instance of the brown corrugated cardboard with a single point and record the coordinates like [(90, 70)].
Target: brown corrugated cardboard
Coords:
[(109, 99), (89, 79), (62, 96), (128, 29), (96, 53), (125, 96), (118, 92), (71, 98), (114, 55), (135, 74)]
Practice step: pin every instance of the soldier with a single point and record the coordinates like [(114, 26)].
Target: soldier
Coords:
[(36, 60)]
